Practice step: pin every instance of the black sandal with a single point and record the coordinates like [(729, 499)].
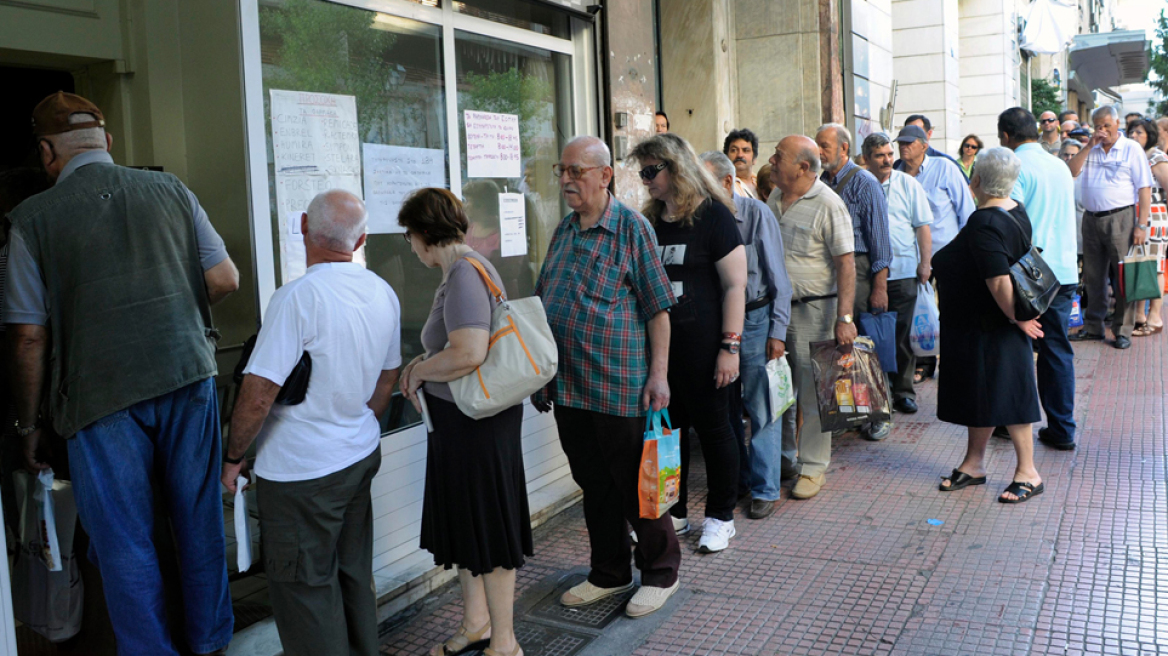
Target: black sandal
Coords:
[(959, 480), (1022, 490)]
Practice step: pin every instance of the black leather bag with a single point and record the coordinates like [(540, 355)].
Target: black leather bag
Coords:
[(295, 387), (1035, 285)]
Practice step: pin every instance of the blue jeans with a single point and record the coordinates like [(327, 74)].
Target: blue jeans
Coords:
[(761, 460), (172, 442), (1056, 367)]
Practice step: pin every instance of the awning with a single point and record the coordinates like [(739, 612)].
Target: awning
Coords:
[(1110, 59)]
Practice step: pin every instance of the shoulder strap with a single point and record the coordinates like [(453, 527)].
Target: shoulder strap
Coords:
[(1014, 219), (495, 291), (840, 185)]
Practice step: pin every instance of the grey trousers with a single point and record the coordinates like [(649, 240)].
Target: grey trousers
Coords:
[(1106, 240), (902, 299), (318, 554), (810, 450)]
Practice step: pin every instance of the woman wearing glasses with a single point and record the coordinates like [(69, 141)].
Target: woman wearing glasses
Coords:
[(703, 255), (970, 147)]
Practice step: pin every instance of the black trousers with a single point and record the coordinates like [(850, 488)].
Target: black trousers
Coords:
[(604, 454), (902, 299)]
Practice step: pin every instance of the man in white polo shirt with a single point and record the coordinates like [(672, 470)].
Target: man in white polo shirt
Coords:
[(316, 459), (1117, 197)]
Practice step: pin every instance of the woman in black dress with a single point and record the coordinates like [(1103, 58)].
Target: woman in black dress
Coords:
[(988, 378), (703, 255)]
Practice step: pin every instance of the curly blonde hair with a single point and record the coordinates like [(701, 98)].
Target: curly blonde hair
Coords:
[(690, 182)]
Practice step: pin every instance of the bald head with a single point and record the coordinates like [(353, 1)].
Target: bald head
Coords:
[(336, 221), (804, 149), (795, 165), (589, 149)]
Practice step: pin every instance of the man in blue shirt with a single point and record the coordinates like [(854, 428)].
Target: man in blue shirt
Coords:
[(922, 122), (1047, 190)]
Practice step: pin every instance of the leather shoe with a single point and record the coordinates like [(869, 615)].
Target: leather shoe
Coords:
[(906, 405), (1084, 336), (1122, 342), (1045, 438), (808, 486), (761, 509), (1002, 432)]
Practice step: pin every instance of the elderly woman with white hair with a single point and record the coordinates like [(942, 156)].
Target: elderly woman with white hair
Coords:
[(989, 375)]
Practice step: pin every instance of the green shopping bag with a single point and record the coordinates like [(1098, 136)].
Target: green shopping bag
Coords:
[(1138, 275)]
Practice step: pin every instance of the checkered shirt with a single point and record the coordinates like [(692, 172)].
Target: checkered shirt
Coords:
[(600, 286)]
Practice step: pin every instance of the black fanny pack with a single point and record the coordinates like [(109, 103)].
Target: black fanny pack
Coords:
[(295, 386)]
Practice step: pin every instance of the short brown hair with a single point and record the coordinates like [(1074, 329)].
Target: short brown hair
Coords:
[(434, 215), (762, 181)]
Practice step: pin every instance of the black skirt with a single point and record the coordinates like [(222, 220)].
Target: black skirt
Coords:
[(474, 513), (986, 376)]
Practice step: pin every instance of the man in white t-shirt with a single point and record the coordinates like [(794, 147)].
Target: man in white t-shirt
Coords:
[(316, 459)]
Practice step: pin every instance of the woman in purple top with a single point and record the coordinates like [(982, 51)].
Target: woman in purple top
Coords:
[(474, 512)]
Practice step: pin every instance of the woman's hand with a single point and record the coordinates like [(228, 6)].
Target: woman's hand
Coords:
[(409, 382), (1032, 328), (726, 371)]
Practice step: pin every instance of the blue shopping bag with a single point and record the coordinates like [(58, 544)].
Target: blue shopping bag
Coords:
[(660, 479), (881, 328), (1076, 312)]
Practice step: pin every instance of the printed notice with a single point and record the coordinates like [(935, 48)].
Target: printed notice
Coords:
[(391, 173), (314, 148), (492, 145), (512, 225)]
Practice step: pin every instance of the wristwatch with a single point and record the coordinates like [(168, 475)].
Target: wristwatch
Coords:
[(732, 347), (847, 318), (25, 432)]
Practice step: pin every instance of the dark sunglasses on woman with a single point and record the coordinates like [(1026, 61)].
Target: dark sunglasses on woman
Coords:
[(651, 171), (971, 145)]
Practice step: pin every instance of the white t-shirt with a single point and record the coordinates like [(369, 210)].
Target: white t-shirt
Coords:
[(349, 321)]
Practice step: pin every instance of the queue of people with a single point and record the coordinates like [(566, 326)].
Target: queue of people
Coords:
[(679, 305)]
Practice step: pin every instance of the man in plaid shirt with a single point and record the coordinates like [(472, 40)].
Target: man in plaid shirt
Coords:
[(605, 292)]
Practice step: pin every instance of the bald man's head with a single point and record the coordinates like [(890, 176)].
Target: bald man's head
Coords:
[(590, 149), (336, 221)]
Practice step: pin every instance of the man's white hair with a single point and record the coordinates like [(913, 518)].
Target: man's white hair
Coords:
[(719, 163), (809, 154), (998, 169), (1106, 109), (336, 220), (595, 150), (68, 143), (842, 135)]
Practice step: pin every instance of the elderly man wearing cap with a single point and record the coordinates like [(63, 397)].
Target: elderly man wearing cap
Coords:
[(124, 266)]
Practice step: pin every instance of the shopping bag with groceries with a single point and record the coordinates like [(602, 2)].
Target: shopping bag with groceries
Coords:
[(850, 387)]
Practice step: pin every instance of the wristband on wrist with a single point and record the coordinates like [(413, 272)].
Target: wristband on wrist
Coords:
[(233, 461)]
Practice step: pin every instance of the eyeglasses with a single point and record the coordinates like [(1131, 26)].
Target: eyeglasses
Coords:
[(970, 145), (574, 171), (651, 171), (406, 236), (1049, 120)]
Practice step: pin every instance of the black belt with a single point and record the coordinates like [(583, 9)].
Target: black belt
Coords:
[(1110, 212), (808, 299), (760, 302)]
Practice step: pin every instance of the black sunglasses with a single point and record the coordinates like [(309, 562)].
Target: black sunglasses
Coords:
[(651, 171), (970, 145), (1049, 120)]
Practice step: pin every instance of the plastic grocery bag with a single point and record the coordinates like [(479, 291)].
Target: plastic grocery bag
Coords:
[(660, 479), (881, 329), (925, 333), (1076, 312), (1138, 275), (782, 390), (850, 388), (47, 591), (242, 528)]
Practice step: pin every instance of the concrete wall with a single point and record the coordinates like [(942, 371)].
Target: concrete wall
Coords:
[(632, 87), (696, 69), (925, 59), (989, 65)]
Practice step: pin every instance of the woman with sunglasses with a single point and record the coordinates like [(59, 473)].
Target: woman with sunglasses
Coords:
[(703, 255), (970, 147)]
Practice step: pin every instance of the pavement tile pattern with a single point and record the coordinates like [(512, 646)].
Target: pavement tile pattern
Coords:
[(860, 569)]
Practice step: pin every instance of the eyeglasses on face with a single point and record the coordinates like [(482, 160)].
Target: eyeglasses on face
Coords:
[(972, 146), (651, 171), (574, 171)]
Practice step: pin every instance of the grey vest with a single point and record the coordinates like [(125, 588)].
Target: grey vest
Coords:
[(128, 309)]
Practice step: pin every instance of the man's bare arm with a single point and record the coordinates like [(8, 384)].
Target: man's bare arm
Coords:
[(28, 347)]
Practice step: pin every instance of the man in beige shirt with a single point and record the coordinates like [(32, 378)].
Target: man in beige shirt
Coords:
[(819, 254)]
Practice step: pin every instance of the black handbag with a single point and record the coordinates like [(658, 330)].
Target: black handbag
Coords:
[(295, 386), (1035, 285)]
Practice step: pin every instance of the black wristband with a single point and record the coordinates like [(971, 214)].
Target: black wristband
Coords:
[(233, 461)]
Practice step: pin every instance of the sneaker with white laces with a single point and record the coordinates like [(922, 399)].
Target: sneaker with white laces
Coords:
[(680, 526), (649, 599), (716, 535)]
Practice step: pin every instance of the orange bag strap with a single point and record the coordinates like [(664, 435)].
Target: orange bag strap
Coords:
[(495, 291)]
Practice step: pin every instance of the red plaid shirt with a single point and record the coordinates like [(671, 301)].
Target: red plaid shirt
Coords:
[(600, 286)]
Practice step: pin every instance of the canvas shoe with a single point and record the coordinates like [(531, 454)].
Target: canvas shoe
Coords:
[(680, 526), (586, 593), (808, 486), (649, 599), (716, 535)]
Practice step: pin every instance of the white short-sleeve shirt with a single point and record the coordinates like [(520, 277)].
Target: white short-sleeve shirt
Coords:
[(349, 321), (1112, 180)]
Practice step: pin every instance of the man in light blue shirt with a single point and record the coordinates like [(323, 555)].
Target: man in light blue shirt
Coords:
[(1047, 191)]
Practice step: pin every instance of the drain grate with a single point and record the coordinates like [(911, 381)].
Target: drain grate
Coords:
[(539, 640), (593, 616)]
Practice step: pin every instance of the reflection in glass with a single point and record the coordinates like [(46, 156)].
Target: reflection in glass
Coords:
[(518, 13)]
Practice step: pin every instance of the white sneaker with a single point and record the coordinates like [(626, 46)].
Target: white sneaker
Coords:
[(633, 536), (716, 535), (680, 526)]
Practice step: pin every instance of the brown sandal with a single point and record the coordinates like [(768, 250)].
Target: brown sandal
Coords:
[(1147, 330), (463, 640)]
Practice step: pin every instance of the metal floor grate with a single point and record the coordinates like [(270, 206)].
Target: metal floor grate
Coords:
[(594, 616), (540, 640)]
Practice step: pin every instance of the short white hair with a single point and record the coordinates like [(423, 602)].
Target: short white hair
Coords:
[(336, 220), (998, 169), (595, 149), (1106, 109), (843, 136), (809, 154), (67, 143), (719, 163)]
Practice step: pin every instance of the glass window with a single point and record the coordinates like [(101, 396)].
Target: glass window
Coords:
[(518, 13)]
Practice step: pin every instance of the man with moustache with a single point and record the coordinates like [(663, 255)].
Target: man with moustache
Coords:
[(741, 146)]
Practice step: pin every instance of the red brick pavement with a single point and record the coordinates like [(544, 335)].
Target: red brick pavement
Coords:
[(1082, 569)]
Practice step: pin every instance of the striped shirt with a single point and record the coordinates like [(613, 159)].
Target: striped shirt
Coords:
[(869, 209), (600, 286), (815, 229)]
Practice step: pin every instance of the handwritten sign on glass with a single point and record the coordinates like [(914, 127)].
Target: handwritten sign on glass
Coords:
[(492, 145), (391, 173)]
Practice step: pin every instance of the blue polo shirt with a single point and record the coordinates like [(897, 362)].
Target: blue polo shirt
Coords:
[(1046, 188)]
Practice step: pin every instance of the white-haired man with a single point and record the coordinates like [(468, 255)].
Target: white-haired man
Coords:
[(317, 458), (1117, 196), (123, 266), (818, 251)]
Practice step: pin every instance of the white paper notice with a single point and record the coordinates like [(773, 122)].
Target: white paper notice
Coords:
[(492, 145), (512, 225), (315, 148), (391, 173)]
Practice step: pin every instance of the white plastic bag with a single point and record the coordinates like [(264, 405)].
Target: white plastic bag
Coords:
[(48, 600), (242, 528), (781, 389), (925, 333)]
